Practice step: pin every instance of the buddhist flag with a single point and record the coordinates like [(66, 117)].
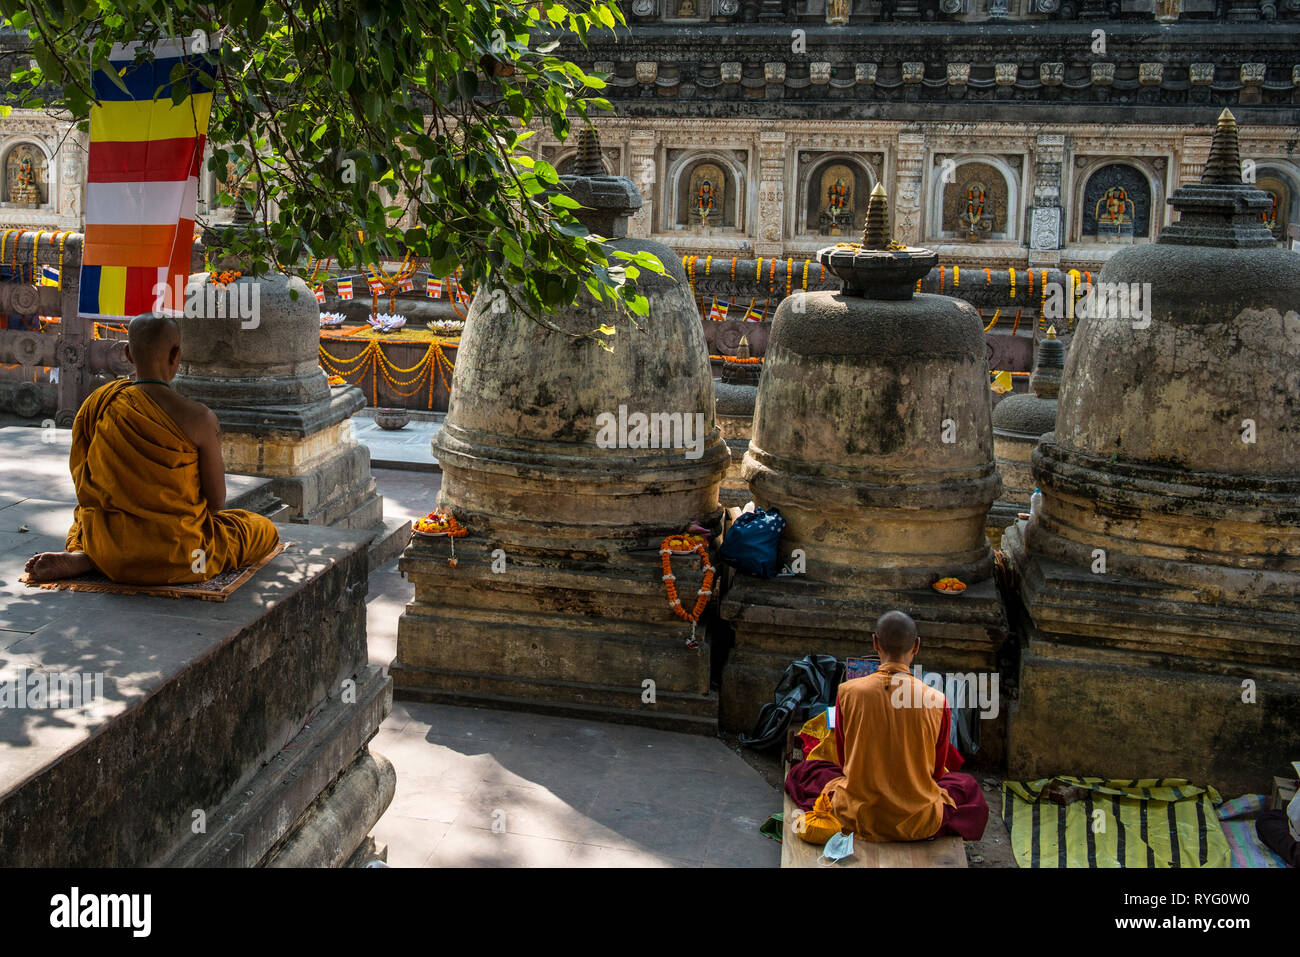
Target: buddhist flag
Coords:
[(1001, 382), (142, 181), (434, 288), (345, 288), (376, 287), (320, 293), (752, 314), (718, 311), (406, 285), (49, 275)]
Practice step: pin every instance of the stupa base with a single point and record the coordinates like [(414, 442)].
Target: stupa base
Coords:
[(582, 638), (1126, 678), (779, 620)]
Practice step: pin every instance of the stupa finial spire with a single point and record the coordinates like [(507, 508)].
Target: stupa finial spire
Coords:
[(587, 162), (1224, 165), (876, 233)]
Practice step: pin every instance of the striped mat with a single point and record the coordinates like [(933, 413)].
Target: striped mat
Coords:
[(1150, 822)]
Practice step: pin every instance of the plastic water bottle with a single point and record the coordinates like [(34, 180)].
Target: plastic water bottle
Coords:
[(1035, 504)]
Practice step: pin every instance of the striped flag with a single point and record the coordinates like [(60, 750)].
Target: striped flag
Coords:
[(49, 275), (406, 285), (752, 314), (345, 288), (320, 292), (718, 311), (376, 287), (434, 288), (142, 182)]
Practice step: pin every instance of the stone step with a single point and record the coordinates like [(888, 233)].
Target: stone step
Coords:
[(692, 714)]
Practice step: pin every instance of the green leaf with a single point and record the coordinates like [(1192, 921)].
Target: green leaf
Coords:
[(341, 74)]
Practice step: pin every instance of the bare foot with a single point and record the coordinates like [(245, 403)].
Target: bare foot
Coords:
[(51, 566)]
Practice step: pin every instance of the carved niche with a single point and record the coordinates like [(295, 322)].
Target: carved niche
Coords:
[(1116, 205), (1279, 191), (706, 197), (975, 203), (26, 177), (836, 198)]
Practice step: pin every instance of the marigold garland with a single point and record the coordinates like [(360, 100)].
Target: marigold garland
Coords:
[(789, 275), (685, 545), (806, 264), (752, 360), (1011, 271), (955, 280), (733, 267), (994, 321)]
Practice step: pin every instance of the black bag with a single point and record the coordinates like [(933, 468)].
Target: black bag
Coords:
[(808, 685)]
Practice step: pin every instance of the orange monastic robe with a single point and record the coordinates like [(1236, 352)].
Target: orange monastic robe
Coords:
[(890, 725), (141, 515)]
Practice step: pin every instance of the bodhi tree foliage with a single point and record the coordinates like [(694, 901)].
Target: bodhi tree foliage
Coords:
[(352, 114)]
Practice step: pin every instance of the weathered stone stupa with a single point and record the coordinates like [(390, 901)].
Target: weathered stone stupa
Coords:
[(252, 356), (1019, 421), (557, 600), (1162, 574), (872, 438)]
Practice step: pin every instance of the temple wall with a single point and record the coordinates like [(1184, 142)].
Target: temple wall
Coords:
[(1046, 188)]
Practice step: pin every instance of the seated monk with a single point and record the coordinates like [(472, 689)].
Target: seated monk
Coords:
[(150, 481), (898, 780)]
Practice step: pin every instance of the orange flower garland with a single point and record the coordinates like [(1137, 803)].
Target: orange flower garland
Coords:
[(685, 545)]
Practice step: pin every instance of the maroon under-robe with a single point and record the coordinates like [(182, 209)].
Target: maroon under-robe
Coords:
[(966, 820)]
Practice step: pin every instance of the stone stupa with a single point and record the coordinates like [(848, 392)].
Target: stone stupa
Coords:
[(556, 600), (872, 438), (1162, 573)]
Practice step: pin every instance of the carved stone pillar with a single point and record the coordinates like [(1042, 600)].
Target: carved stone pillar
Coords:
[(771, 193), (1045, 213), (1191, 159), (641, 167), (907, 188)]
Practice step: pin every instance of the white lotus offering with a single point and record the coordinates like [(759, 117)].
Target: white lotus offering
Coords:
[(332, 319), (386, 322)]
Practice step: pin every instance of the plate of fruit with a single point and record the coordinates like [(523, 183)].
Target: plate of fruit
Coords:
[(949, 586)]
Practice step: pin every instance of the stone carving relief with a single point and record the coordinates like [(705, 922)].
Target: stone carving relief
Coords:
[(1045, 228), (1004, 74), (70, 186)]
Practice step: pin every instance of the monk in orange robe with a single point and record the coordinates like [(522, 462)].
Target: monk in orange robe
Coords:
[(150, 481), (900, 780)]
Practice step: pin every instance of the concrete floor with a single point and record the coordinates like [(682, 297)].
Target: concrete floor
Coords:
[(484, 788)]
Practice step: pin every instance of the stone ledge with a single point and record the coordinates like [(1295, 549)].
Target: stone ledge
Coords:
[(192, 706), (265, 812)]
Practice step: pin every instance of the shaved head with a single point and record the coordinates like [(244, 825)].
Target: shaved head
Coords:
[(896, 633), (151, 337)]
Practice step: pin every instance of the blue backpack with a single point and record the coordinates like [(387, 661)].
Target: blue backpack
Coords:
[(753, 543)]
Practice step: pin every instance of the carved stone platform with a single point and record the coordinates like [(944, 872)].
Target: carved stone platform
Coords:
[(227, 733)]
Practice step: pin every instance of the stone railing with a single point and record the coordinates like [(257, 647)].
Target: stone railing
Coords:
[(69, 346)]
